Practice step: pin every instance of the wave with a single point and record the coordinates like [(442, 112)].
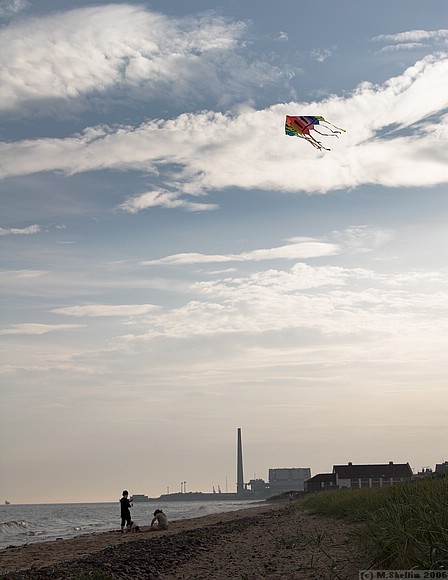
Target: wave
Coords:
[(26, 524), (14, 526), (18, 528)]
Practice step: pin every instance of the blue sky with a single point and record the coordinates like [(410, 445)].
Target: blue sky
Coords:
[(175, 267)]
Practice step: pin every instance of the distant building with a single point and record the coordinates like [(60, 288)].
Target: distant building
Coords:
[(442, 468), (321, 482), (259, 486), (379, 475), (425, 473), (288, 479), (357, 476)]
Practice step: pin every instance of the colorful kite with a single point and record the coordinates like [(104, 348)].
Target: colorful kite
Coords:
[(301, 127)]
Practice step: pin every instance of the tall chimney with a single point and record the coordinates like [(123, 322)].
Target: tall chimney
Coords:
[(239, 467)]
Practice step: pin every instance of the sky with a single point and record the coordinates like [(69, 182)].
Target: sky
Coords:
[(175, 267)]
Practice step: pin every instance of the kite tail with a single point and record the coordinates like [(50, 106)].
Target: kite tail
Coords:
[(339, 129), (334, 133), (315, 143)]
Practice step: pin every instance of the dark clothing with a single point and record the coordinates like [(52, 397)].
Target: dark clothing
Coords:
[(125, 513)]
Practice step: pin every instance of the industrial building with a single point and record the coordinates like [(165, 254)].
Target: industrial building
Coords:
[(288, 479), (281, 479)]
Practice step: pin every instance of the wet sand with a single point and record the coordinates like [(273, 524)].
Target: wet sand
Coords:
[(275, 541)]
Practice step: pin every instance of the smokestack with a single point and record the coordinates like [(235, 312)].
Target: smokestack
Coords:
[(239, 467)]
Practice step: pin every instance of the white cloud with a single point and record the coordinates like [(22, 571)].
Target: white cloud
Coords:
[(196, 153), (362, 239), (402, 46), (107, 310), (413, 39), (320, 54), (332, 301), (33, 328), (34, 229), (167, 199), (299, 250), (14, 275), (414, 36), (119, 47)]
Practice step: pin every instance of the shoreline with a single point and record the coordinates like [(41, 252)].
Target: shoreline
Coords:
[(275, 540)]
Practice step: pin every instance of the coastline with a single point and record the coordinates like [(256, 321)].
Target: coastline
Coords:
[(274, 540)]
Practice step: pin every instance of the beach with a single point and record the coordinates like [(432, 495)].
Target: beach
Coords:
[(276, 541)]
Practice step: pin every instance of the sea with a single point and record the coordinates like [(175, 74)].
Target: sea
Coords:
[(28, 523)]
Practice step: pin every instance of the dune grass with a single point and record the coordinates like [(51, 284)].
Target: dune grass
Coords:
[(404, 526)]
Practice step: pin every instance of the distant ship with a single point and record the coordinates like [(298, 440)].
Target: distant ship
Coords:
[(7, 502), (140, 497)]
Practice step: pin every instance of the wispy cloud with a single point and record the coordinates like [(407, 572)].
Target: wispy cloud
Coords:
[(297, 249), (94, 310), (334, 301), (402, 46), (415, 36), (362, 239), (34, 229), (34, 328), (167, 199), (320, 54), (11, 7), (413, 39), (22, 274)]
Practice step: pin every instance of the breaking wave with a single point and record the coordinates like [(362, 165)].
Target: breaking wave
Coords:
[(14, 527)]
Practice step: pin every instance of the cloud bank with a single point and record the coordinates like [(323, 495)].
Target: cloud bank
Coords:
[(396, 132), (122, 48), (396, 136)]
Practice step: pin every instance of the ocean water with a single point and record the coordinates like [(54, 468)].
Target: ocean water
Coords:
[(25, 524)]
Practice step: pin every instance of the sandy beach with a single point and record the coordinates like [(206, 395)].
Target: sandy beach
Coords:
[(276, 541)]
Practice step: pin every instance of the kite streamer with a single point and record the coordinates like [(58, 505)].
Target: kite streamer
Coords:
[(302, 125)]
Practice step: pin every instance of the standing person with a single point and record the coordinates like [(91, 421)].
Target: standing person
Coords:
[(125, 505), (161, 519)]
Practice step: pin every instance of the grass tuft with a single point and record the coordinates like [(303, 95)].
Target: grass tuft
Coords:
[(405, 526)]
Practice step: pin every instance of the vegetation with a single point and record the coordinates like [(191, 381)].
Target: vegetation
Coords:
[(286, 496), (403, 526)]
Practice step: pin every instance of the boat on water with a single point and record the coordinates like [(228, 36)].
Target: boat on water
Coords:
[(7, 502)]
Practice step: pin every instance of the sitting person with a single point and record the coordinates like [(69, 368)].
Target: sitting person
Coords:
[(161, 519)]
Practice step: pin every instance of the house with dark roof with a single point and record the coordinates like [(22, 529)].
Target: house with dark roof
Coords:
[(356, 476), (378, 475)]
